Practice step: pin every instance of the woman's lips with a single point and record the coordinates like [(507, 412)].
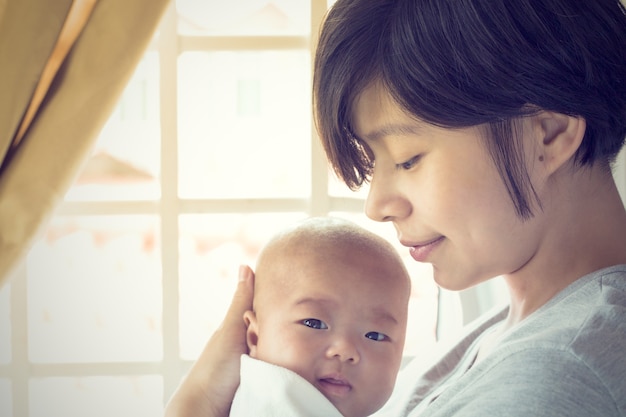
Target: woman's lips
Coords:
[(421, 252)]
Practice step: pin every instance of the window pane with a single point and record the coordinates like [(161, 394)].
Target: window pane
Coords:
[(211, 249), (6, 398), (94, 291), (140, 396), (243, 17), (338, 188), (125, 162), (5, 324), (244, 124)]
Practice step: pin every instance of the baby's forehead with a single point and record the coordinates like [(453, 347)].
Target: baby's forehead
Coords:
[(306, 246), (288, 262), (329, 242), (329, 233)]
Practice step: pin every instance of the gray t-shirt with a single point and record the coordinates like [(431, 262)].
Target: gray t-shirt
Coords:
[(566, 359)]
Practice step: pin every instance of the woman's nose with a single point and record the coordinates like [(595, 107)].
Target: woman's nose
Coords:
[(345, 350), (384, 203)]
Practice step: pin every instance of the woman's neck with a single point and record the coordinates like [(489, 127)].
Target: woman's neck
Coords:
[(585, 222)]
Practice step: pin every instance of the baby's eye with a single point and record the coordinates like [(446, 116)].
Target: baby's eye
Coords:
[(409, 163), (378, 337), (315, 324)]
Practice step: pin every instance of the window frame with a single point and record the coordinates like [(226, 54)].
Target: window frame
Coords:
[(170, 206), (169, 44)]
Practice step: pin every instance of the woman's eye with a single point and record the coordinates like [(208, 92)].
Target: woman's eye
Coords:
[(379, 337), (315, 324), (409, 163)]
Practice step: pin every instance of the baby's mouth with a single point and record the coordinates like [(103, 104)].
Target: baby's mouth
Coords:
[(334, 386)]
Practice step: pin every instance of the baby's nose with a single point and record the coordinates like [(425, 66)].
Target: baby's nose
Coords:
[(345, 350)]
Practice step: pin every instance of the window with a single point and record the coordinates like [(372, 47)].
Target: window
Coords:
[(210, 150)]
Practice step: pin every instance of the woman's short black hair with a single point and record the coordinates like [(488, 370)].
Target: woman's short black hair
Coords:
[(461, 63)]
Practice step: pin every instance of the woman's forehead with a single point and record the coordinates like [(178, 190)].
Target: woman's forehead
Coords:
[(376, 114)]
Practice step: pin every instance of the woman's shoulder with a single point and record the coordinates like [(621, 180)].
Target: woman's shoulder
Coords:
[(606, 286), (613, 285), (592, 310), (600, 342), (576, 344), (587, 319), (594, 303)]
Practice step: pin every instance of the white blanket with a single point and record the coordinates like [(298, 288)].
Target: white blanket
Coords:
[(268, 390)]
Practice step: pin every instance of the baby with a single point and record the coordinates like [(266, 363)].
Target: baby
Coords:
[(328, 325)]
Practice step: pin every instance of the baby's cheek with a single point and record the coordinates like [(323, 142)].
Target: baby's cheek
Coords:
[(281, 353)]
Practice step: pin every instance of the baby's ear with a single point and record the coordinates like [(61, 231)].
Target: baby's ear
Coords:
[(252, 335)]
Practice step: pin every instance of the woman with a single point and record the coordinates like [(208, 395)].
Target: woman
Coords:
[(486, 129)]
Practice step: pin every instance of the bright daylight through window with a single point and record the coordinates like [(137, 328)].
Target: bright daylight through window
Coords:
[(210, 151)]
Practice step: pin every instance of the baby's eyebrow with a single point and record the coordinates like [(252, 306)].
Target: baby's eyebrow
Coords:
[(314, 300), (383, 315), (375, 313)]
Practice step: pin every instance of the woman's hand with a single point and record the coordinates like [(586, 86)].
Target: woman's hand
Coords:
[(209, 388)]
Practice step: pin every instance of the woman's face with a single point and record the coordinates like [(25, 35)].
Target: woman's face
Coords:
[(442, 191)]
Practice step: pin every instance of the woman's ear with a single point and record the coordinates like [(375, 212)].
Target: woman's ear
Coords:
[(560, 137), (252, 332)]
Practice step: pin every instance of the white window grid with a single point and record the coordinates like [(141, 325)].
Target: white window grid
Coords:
[(20, 371)]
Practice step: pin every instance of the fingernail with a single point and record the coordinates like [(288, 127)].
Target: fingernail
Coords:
[(242, 273)]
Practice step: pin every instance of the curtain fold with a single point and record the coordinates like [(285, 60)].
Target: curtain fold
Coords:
[(76, 20), (55, 97)]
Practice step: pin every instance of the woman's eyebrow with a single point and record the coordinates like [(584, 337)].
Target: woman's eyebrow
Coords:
[(403, 129)]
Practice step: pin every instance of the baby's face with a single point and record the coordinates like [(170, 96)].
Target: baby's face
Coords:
[(340, 323)]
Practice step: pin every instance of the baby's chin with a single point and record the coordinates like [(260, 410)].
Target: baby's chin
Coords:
[(348, 407), (350, 411)]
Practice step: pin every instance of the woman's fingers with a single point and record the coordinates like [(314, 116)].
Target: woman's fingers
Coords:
[(209, 387), (233, 324)]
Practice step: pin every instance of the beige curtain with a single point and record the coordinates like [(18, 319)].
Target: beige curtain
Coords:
[(63, 66)]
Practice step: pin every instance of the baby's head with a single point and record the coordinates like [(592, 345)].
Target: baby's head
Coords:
[(330, 304)]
